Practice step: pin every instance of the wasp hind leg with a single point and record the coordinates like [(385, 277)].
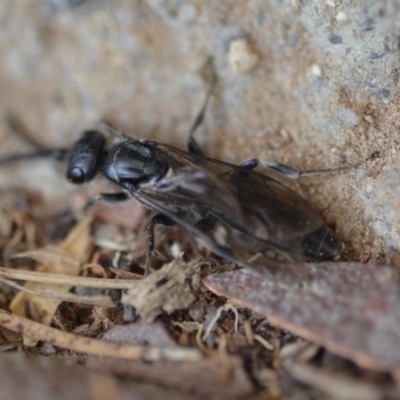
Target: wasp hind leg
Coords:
[(294, 173)]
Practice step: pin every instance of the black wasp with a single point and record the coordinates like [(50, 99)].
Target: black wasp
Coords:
[(196, 192)]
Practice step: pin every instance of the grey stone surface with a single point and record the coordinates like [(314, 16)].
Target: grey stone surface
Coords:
[(324, 92)]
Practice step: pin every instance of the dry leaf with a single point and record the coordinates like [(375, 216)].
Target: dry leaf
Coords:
[(352, 309), (66, 259)]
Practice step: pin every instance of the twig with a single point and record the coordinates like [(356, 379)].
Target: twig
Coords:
[(58, 279), (93, 346), (102, 301), (226, 307)]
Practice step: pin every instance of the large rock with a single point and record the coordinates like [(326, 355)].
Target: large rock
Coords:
[(320, 90)]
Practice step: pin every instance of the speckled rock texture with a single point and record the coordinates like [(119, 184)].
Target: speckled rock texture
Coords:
[(321, 91)]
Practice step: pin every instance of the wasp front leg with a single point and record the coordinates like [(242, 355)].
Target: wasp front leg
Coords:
[(108, 197)]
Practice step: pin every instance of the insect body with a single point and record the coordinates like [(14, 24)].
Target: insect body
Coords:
[(197, 193)]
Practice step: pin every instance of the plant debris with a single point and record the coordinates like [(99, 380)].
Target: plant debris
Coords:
[(66, 259), (167, 289), (351, 308), (92, 346), (196, 326)]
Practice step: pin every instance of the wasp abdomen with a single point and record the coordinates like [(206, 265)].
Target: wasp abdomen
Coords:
[(321, 245)]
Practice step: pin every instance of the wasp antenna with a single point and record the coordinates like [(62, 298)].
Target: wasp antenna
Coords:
[(39, 151), (59, 154), (56, 154), (21, 131)]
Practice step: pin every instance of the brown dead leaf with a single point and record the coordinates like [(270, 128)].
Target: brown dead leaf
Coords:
[(352, 309), (220, 376), (168, 289), (66, 259)]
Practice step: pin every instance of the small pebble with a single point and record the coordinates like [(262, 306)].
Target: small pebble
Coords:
[(341, 16), (242, 56)]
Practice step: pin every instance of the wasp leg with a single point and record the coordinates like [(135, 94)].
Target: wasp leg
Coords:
[(108, 197), (157, 219), (192, 145), (282, 169), (294, 173), (244, 169), (250, 164)]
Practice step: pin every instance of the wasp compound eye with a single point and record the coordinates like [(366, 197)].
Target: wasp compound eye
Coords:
[(85, 156)]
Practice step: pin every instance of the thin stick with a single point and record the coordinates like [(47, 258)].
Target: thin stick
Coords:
[(58, 279), (96, 347), (102, 301)]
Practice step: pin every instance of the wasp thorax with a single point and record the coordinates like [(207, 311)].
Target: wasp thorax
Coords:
[(133, 163)]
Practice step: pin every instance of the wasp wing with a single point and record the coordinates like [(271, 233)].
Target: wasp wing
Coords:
[(152, 199), (273, 212), (254, 204), (175, 196), (276, 211)]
